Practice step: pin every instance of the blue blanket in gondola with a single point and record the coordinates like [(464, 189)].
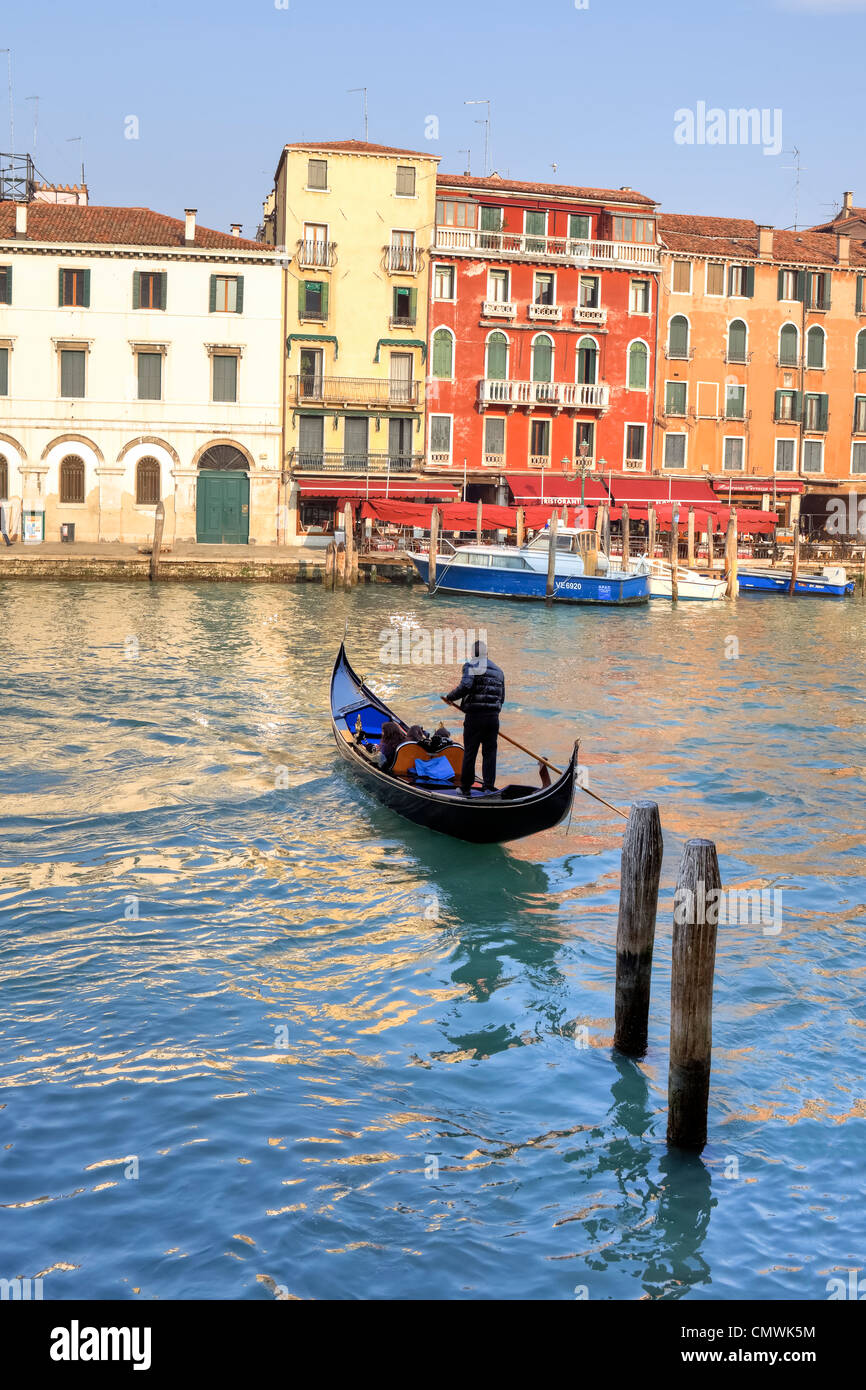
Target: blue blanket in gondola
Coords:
[(434, 769)]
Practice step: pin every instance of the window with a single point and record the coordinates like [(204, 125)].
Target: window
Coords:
[(405, 181), (815, 411), (638, 367), (443, 282), (858, 458), (315, 248), (72, 479), (634, 229), (5, 284), (72, 372), (440, 438), (635, 440), (225, 377), (578, 226), (542, 358), (678, 336), (4, 379), (74, 289), (545, 289), (317, 173), (452, 214), (316, 516), (813, 456), (790, 284), (148, 289), (741, 281), (715, 277), (147, 488), (584, 439), (402, 255), (815, 347), (313, 299), (226, 294), (587, 362), (861, 350), (494, 439), (676, 397), (497, 357), (310, 378), (497, 286), (681, 283), (491, 221), (789, 345), (149, 366), (737, 337), (735, 402), (535, 226), (443, 354), (639, 297), (588, 292), (787, 405), (819, 290), (405, 302), (732, 459), (786, 452), (539, 442), (675, 451), (860, 414)]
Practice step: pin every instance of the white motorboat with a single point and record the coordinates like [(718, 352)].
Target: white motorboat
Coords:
[(690, 584)]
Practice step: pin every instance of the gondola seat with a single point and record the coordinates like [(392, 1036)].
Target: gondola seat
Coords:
[(409, 753)]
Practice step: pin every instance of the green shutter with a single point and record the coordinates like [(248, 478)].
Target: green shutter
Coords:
[(797, 413), (163, 288), (828, 284), (413, 304), (239, 307), (60, 287), (749, 282), (780, 284), (136, 289), (777, 413), (861, 350), (4, 371), (442, 353), (858, 295), (823, 410), (302, 298), (491, 219), (86, 304), (7, 298), (212, 305), (324, 299), (497, 357), (800, 292), (542, 360)]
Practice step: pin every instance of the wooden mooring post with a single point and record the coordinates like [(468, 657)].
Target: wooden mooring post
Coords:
[(551, 558), (158, 527), (675, 555), (330, 571), (478, 522), (351, 572), (635, 931), (795, 562), (696, 910), (731, 554), (651, 533), (521, 526), (625, 537), (434, 550)]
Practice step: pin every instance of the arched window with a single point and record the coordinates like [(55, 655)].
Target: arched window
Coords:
[(443, 353), (678, 336), (72, 479), (497, 357), (147, 489), (737, 335), (638, 366), (587, 361), (542, 358), (815, 347), (4, 476), (861, 350), (789, 345)]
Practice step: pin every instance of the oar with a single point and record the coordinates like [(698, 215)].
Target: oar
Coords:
[(538, 758)]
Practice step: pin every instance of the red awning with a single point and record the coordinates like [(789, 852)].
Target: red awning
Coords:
[(357, 491), (456, 516), (749, 520), (783, 485), (553, 487), (641, 491)]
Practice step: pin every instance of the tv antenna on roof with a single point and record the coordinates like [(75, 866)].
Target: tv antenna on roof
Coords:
[(797, 170), (484, 101), (80, 139), (351, 91), (468, 154), (35, 119)]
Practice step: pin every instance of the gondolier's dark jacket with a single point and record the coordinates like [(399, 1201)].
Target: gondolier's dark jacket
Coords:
[(482, 688)]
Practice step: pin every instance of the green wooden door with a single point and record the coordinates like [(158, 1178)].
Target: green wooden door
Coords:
[(222, 508)]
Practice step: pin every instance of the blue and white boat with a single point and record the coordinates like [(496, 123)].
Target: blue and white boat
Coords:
[(832, 582), (582, 574)]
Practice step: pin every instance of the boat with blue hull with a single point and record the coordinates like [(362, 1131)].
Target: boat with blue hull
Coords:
[(582, 574), (832, 582)]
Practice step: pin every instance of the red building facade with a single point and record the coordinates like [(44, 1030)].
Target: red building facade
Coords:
[(542, 332)]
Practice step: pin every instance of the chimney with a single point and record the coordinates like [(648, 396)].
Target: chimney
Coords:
[(843, 249), (21, 219), (765, 243), (189, 233), (847, 204), (236, 228)]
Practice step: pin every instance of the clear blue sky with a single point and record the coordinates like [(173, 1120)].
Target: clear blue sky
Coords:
[(219, 87)]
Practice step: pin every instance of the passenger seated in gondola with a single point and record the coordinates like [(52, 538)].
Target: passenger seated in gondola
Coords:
[(392, 737)]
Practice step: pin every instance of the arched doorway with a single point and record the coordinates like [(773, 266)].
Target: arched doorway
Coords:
[(222, 500)]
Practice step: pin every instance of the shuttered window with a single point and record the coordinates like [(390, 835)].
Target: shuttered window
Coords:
[(715, 277), (4, 376), (681, 284), (72, 372), (860, 414), (535, 225), (440, 434), (147, 489), (676, 395), (578, 226), (735, 402), (313, 299), (149, 289), (494, 436), (635, 436), (819, 290), (539, 440), (675, 451), (678, 336), (404, 306), (815, 347), (72, 479), (542, 359), (791, 284), (741, 281), (226, 294), (443, 282), (638, 360), (587, 362), (858, 295), (815, 411), (737, 335), (74, 289), (732, 458), (443, 353), (788, 345), (149, 376), (858, 458), (317, 173), (225, 377), (787, 405), (786, 453), (405, 181), (5, 284), (497, 357), (813, 456), (861, 350), (491, 219)]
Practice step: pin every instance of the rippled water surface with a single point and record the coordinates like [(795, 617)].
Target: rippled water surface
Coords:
[(259, 1036)]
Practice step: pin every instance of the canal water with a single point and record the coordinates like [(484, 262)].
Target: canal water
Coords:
[(260, 1038)]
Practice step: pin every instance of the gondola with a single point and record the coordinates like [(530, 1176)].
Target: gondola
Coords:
[(492, 818)]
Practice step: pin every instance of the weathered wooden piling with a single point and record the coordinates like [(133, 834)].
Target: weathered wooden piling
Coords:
[(158, 527), (340, 567), (330, 572), (351, 570), (731, 554), (691, 539), (696, 911), (710, 558), (795, 562), (635, 931), (434, 549), (551, 558), (675, 555), (625, 537), (478, 519), (521, 526), (651, 530)]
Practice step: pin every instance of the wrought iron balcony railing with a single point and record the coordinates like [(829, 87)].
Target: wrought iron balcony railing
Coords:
[(315, 389), (338, 461), (316, 255)]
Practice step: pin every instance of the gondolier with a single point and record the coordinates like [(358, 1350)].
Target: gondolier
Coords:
[(481, 695)]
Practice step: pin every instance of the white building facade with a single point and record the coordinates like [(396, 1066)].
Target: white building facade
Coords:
[(140, 359)]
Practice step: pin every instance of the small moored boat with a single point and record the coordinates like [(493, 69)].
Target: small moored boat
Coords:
[(690, 584), (832, 582), (510, 813)]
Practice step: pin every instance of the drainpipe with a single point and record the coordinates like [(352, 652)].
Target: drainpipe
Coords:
[(282, 488)]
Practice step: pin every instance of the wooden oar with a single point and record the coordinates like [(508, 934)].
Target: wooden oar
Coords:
[(538, 758)]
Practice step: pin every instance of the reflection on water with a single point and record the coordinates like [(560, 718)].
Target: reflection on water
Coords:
[(262, 1039)]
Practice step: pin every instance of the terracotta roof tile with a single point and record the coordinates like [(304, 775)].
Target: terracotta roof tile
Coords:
[(493, 183), (731, 236), (105, 226), (356, 147)]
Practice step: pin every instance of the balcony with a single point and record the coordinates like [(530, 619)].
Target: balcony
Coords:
[(494, 460), (634, 465), (558, 395), (335, 461), (316, 255), (403, 260), (498, 309), (401, 321), (596, 317), (375, 392), (469, 241), (545, 313)]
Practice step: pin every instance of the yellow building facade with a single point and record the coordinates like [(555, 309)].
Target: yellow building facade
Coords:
[(354, 222)]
